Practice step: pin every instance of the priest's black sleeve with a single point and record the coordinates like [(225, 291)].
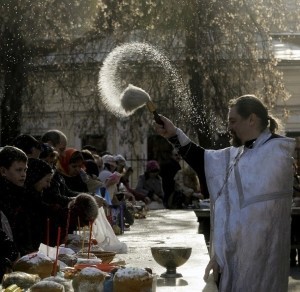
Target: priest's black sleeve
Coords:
[(193, 154)]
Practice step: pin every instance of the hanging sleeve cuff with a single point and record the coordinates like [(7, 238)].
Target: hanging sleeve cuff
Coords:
[(180, 139)]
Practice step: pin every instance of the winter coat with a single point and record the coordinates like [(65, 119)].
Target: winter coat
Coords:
[(12, 202)]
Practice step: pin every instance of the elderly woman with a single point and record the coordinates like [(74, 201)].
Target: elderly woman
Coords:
[(187, 189), (150, 183)]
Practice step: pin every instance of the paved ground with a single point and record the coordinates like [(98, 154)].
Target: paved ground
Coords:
[(176, 227), (294, 279), (169, 228)]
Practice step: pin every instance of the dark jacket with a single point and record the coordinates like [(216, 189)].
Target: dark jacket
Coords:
[(75, 183), (58, 192), (12, 202), (39, 212), (8, 253)]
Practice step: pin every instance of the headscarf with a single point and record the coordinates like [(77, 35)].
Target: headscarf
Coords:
[(109, 159), (64, 160), (152, 165)]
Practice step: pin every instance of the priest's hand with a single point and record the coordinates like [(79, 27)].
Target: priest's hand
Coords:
[(166, 130), (212, 265)]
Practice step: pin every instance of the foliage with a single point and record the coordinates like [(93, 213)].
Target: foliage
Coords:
[(224, 47), (221, 49), (27, 29)]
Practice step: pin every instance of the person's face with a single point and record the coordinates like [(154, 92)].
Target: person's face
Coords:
[(43, 183), (51, 159), (176, 156), (16, 173), (154, 172), (238, 127), (112, 167), (75, 167), (121, 165), (35, 152)]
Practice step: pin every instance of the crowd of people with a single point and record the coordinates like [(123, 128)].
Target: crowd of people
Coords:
[(45, 185), (35, 197)]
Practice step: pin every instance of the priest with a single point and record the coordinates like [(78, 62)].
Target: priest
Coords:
[(250, 186)]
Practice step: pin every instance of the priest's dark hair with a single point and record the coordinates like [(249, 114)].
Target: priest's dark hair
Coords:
[(250, 104)]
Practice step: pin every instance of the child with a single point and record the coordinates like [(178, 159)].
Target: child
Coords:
[(13, 166)]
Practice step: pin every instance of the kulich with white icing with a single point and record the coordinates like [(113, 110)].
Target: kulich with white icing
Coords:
[(47, 286), (89, 279), (35, 263), (132, 272), (65, 282), (132, 279)]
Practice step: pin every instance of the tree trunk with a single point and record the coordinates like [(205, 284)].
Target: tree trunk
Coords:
[(11, 104), (196, 88), (12, 59)]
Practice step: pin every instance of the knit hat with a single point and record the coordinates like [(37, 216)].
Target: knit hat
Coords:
[(109, 159), (37, 169), (152, 165), (120, 158), (85, 207), (26, 143), (121, 161)]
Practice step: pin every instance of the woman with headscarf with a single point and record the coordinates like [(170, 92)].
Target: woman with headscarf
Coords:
[(71, 167)]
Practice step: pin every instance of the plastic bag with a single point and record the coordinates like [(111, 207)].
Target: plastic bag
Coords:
[(107, 197), (105, 236)]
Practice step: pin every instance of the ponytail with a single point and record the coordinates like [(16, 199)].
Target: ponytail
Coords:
[(273, 124)]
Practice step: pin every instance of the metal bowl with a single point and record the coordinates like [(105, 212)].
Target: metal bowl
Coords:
[(171, 258)]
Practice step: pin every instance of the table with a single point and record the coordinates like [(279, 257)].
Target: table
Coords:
[(295, 211), (205, 212), (169, 228)]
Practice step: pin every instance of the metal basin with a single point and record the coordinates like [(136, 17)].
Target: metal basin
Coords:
[(171, 258)]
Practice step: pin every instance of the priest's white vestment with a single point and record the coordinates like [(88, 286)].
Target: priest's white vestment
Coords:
[(251, 195)]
